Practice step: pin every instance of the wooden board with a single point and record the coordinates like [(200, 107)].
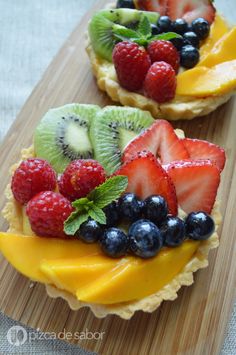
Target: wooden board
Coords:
[(193, 324)]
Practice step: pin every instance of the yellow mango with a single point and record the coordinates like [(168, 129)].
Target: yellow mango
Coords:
[(203, 81)]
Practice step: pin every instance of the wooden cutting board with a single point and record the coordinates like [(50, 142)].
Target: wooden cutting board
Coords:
[(193, 324)]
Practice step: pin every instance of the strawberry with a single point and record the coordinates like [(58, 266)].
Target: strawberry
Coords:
[(147, 177), (196, 183), (152, 5), (164, 50), (161, 140), (189, 10), (199, 149)]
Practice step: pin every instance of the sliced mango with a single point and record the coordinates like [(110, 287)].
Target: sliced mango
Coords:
[(218, 29), (202, 81), (223, 51)]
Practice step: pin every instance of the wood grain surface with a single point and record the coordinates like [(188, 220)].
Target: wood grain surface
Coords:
[(194, 323)]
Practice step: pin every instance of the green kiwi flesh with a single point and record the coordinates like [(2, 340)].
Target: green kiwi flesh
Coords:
[(63, 135), (112, 129), (101, 24)]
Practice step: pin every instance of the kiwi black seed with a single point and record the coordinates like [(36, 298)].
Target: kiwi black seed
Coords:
[(63, 135)]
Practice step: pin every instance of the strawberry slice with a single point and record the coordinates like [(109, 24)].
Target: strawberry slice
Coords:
[(152, 5), (191, 9), (196, 183), (199, 149), (147, 177), (161, 140)]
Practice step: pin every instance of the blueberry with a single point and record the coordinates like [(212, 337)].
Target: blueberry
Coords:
[(199, 226), (114, 242), (112, 214), (189, 27), (155, 29), (164, 23), (201, 27), (173, 231), (128, 4), (179, 26), (192, 39), (130, 207), (189, 56), (178, 42), (90, 231), (155, 208), (144, 238)]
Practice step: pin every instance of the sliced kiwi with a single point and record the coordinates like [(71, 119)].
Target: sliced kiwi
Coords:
[(63, 135), (112, 129), (101, 24)]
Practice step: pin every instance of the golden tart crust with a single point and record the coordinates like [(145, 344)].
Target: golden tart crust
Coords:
[(125, 310)]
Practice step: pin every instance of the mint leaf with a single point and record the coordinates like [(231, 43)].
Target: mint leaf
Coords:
[(144, 27), (165, 36), (124, 32), (73, 223), (109, 191), (97, 214), (80, 202)]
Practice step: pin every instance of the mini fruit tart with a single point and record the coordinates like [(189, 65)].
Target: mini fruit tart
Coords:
[(111, 209), (176, 59)]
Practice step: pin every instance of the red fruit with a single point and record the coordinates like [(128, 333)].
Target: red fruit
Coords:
[(152, 5), (47, 212), (199, 149), (161, 140), (80, 177), (196, 183), (131, 63), (32, 176), (164, 51), (147, 177), (160, 82), (191, 9)]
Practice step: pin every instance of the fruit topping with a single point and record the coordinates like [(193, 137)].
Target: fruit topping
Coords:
[(32, 176), (192, 39), (164, 23), (189, 56), (201, 27), (159, 6), (164, 51), (155, 29), (130, 207), (199, 226), (90, 231), (199, 149), (80, 177), (190, 10), (131, 63), (112, 214), (179, 26), (47, 212), (196, 183), (173, 231), (160, 139), (160, 82), (155, 209), (128, 4), (178, 42), (144, 239), (114, 242), (147, 177)]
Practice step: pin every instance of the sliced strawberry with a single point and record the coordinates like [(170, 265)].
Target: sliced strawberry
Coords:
[(161, 140), (196, 183), (147, 177), (199, 149), (152, 5), (191, 9)]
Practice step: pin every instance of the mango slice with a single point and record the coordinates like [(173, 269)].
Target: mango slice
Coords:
[(202, 81)]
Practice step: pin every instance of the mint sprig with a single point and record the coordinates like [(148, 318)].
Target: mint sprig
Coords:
[(91, 206), (143, 35)]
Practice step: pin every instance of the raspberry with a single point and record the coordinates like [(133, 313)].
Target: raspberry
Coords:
[(47, 212), (160, 82), (31, 177), (164, 51), (80, 177), (131, 63)]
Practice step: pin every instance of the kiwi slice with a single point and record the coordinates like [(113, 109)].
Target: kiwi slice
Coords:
[(112, 129), (101, 24), (63, 135)]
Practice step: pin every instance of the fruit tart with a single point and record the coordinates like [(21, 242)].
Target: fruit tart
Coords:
[(176, 59), (111, 209)]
